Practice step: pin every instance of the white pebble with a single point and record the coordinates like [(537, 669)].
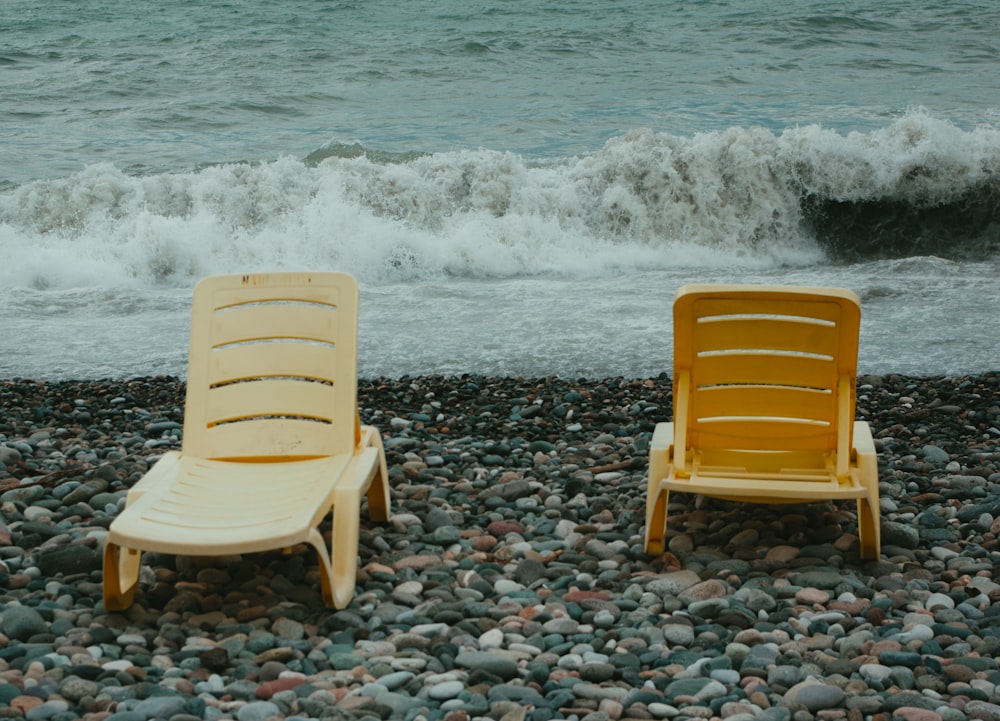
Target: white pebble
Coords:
[(662, 710), (943, 554), (570, 662), (918, 632), (446, 690), (874, 672), (491, 639), (505, 586), (117, 665), (414, 664), (939, 600)]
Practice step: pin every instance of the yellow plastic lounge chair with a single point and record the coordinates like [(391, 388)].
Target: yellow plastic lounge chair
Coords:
[(271, 438), (764, 390)]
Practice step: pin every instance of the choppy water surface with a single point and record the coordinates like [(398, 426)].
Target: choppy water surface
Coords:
[(519, 189)]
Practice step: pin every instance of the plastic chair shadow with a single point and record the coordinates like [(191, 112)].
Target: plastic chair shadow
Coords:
[(764, 398), (271, 442)]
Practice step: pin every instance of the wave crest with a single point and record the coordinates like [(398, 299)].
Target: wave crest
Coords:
[(645, 200)]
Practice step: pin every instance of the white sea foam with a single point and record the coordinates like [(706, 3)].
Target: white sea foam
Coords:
[(489, 262), (643, 201), (918, 160)]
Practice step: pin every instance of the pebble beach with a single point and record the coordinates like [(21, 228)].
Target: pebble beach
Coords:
[(511, 582)]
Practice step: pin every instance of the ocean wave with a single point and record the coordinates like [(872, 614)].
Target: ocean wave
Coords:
[(741, 197)]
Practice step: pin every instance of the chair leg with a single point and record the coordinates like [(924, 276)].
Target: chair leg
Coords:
[(339, 562), (656, 522), (325, 567), (121, 576), (660, 459), (378, 491), (344, 542), (869, 520), (868, 529)]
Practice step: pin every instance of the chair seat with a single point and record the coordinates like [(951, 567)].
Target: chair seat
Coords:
[(209, 507)]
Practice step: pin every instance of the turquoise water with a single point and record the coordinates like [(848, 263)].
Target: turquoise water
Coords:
[(519, 187), (178, 83)]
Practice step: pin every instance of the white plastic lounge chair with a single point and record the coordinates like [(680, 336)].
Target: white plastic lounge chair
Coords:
[(271, 438)]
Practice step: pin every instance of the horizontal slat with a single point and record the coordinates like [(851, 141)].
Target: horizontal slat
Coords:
[(763, 436), (327, 293), (270, 398), (765, 462), (765, 368), (276, 358), (760, 490), (831, 305), (763, 333), (280, 438), (762, 401), (281, 320), (789, 305)]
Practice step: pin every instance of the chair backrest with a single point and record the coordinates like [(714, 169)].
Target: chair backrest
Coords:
[(272, 367), (766, 368)]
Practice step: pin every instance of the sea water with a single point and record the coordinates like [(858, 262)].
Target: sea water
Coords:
[(519, 187)]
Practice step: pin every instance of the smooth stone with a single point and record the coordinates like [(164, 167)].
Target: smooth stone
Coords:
[(258, 711), (903, 535), (908, 698), (818, 579), (596, 692), (939, 600), (761, 657), (499, 665), (445, 536), (161, 707), (662, 710), (783, 675), (704, 591), (597, 672), (395, 680), (22, 622), (814, 695), (933, 454), (900, 658), (445, 690), (75, 688), (47, 710), (686, 687), (725, 675), (875, 672), (23, 494), (775, 713), (910, 713), (755, 599), (712, 690), (519, 694), (678, 634), (491, 639), (129, 716), (671, 584), (982, 711), (505, 587)]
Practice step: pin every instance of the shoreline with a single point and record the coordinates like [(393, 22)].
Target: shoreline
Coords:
[(511, 582)]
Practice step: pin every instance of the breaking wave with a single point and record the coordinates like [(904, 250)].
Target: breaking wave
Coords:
[(738, 197)]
